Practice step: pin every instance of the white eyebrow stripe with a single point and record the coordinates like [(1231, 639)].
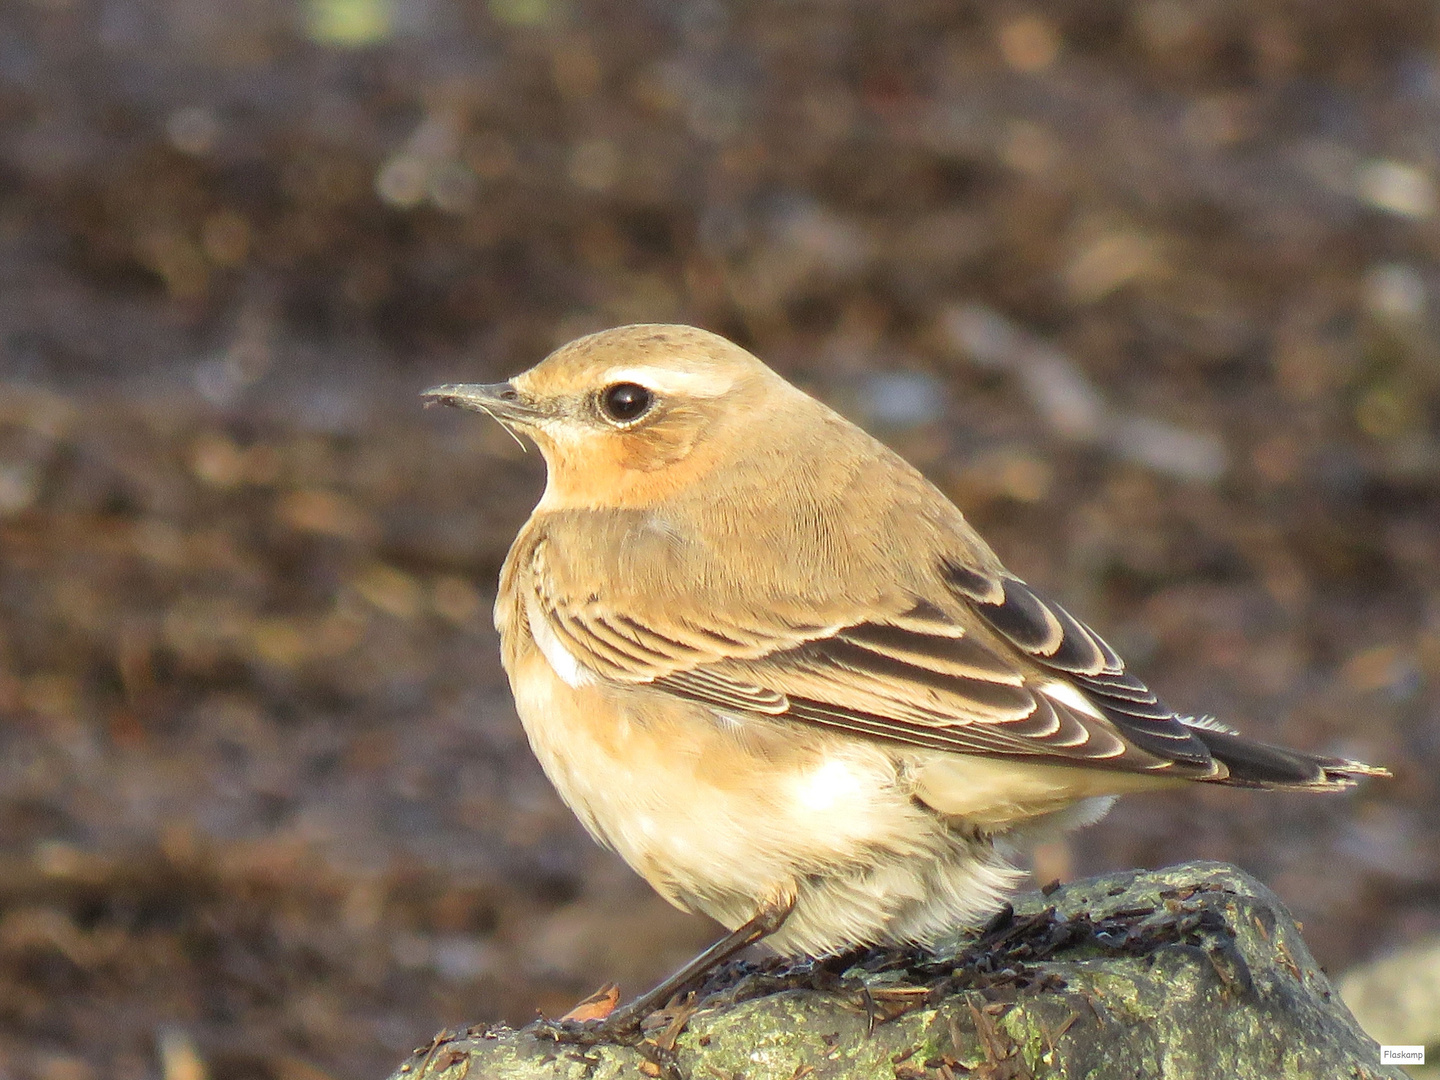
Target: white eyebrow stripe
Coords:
[(670, 381)]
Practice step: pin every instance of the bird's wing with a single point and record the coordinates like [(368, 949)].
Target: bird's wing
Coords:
[(1062, 645), (1022, 679)]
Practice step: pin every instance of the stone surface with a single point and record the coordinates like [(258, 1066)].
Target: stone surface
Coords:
[(1192, 971), (1396, 999)]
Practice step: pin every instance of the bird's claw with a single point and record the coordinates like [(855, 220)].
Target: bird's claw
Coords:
[(613, 1029)]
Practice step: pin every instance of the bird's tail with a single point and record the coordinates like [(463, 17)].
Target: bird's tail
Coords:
[(1260, 765)]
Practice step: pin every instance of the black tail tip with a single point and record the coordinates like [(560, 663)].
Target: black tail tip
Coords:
[(1255, 764), (1344, 773)]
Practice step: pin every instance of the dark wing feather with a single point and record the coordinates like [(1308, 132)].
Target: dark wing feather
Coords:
[(918, 679), (1057, 641), (911, 674), (999, 677)]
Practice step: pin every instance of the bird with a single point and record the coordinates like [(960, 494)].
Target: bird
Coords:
[(766, 661)]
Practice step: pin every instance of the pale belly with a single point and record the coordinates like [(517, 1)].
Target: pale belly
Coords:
[(717, 813)]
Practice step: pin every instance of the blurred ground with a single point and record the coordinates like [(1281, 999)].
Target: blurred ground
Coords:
[(1149, 288)]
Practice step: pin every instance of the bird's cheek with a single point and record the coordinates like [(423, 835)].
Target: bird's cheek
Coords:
[(655, 448)]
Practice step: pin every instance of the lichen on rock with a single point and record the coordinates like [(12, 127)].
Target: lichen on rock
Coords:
[(1195, 971)]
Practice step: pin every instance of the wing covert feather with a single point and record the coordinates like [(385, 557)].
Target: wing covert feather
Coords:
[(1057, 641), (912, 674)]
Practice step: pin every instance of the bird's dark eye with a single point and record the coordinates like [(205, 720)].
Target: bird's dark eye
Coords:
[(625, 401)]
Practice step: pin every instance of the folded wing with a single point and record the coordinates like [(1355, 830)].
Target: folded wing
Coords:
[(1001, 673)]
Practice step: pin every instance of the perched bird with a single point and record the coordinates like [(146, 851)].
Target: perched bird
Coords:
[(770, 664)]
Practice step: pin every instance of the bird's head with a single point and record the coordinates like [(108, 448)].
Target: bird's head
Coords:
[(627, 416)]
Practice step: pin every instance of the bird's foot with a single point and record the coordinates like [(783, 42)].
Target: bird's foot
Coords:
[(624, 1031), (594, 1020)]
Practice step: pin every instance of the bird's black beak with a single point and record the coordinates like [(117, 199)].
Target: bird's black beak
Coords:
[(500, 400)]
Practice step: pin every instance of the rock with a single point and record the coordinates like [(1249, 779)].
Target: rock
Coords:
[(1193, 971), (1396, 999)]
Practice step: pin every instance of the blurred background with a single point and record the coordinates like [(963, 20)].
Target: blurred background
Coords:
[(1149, 288)]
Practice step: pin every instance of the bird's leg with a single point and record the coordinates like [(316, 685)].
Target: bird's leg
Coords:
[(762, 924), (769, 918)]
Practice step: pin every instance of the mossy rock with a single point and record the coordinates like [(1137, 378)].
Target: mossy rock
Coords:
[(1195, 971)]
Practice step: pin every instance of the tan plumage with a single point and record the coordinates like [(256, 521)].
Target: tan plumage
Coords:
[(761, 656)]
